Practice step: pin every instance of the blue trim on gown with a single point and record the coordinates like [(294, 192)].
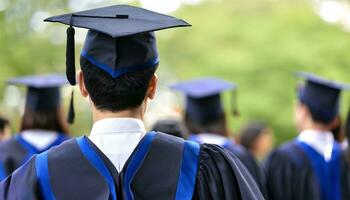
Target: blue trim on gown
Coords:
[(327, 173)]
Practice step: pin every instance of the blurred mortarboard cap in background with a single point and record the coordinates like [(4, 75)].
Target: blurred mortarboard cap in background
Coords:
[(43, 90), (203, 99), (120, 37), (322, 96)]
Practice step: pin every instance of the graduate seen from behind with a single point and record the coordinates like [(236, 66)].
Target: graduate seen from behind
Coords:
[(42, 126), (119, 159), (309, 167), (205, 118)]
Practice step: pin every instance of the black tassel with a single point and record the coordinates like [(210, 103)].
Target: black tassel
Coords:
[(70, 56), (235, 111), (71, 112)]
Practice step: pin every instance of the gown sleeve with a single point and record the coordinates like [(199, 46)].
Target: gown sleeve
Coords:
[(22, 184), (221, 175), (289, 176), (252, 166)]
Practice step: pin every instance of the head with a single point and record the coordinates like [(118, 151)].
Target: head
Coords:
[(5, 129), (257, 137), (172, 127), (51, 119), (124, 96), (305, 118), (214, 126), (204, 111), (318, 103)]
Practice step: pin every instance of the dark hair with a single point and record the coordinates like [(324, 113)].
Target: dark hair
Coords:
[(116, 94), (48, 119), (3, 123), (250, 133), (319, 115), (171, 127), (218, 126)]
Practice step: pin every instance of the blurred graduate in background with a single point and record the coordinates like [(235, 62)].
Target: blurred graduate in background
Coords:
[(310, 167), (205, 119), (43, 125), (257, 137), (5, 129)]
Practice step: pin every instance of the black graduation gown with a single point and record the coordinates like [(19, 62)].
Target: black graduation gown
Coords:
[(345, 175), (16, 151), (246, 158), (161, 167), (251, 164), (290, 174)]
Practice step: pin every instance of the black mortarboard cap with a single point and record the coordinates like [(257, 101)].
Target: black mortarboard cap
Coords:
[(120, 38), (43, 90), (203, 99), (321, 96)]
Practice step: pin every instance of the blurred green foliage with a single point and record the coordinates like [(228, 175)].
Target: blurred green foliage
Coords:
[(257, 44)]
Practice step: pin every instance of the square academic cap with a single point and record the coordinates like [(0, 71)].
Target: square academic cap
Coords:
[(321, 96), (203, 101), (120, 38), (43, 90)]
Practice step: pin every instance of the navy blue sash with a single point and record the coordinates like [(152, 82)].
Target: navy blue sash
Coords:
[(327, 173), (2, 172), (186, 182)]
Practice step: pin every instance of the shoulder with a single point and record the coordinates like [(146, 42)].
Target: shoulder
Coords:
[(288, 153), (242, 153), (11, 148), (220, 167), (167, 139), (8, 144), (13, 188), (68, 148)]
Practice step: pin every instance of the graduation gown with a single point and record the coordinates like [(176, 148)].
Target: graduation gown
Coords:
[(345, 175), (296, 171), (245, 157), (161, 167), (16, 151)]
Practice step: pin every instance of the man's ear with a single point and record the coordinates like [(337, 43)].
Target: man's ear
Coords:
[(81, 83), (152, 87)]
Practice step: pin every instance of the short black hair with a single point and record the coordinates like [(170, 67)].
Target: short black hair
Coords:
[(116, 94), (316, 116), (171, 127)]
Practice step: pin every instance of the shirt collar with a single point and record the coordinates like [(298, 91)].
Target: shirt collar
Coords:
[(39, 138), (321, 141), (117, 125)]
